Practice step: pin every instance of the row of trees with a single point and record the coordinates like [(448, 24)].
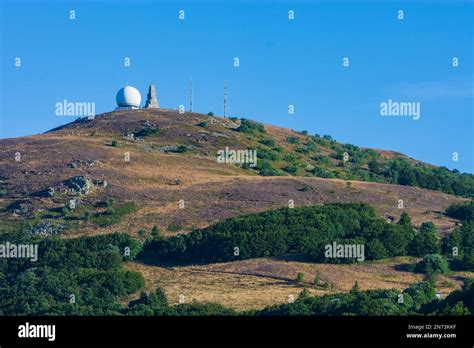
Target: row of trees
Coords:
[(418, 299), (305, 231)]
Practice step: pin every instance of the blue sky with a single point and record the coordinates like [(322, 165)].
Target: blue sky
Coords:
[(282, 62)]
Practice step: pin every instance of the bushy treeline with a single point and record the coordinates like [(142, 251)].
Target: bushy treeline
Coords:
[(462, 211), (419, 298), (403, 172), (459, 246), (304, 231), (304, 155), (82, 276)]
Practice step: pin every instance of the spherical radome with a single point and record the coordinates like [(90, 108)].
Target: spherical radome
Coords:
[(128, 97)]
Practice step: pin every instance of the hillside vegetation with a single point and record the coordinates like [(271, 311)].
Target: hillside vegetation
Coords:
[(313, 155), (128, 171), (307, 231)]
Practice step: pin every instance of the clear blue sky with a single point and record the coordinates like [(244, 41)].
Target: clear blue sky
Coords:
[(283, 62)]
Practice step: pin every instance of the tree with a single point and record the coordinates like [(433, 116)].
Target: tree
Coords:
[(421, 293), (425, 241), (457, 309), (376, 250), (355, 288), (375, 166), (87, 215), (304, 294), (155, 233), (405, 219), (317, 279), (433, 264), (300, 277), (461, 211), (462, 238)]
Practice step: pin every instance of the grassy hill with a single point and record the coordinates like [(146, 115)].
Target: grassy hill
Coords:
[(141, 171), (150, 160)]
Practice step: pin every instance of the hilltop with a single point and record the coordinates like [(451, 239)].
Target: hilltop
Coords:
[(132, 169)]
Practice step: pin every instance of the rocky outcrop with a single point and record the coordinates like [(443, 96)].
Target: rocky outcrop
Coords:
[(99, 183), (46, 229), (84, 185), (47, 192), (79, 184), (23, 208)]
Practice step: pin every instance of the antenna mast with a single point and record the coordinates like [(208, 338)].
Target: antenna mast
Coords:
[(191, 95), (225, 98)]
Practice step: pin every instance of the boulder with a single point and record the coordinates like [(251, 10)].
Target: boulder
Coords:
[(80, 184), (46, 229), (100, 183)]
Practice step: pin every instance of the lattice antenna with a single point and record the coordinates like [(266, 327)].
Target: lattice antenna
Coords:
[(225, 98), (191, 95)]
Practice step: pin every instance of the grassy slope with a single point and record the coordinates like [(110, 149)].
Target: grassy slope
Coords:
[(256, 283), (212, 191)]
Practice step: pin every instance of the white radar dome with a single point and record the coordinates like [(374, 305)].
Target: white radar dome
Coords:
[(128, 97)]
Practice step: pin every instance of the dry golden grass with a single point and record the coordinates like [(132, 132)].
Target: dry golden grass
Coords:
[(257, 283)]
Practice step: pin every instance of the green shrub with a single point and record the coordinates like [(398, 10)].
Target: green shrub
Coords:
[(292, 140), (248, 126), (267, 141), (433, 264), (461, 211)]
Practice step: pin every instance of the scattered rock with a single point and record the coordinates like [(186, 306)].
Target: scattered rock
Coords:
[(79, 184), (147, 123), (147, 148), (168, 148), (47, 192), (46, 229), (72, 204), (100, 183), (85, 162), (23, 208), (220, 135)]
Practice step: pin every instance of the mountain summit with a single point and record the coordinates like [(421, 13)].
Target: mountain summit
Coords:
[(131, 169)]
